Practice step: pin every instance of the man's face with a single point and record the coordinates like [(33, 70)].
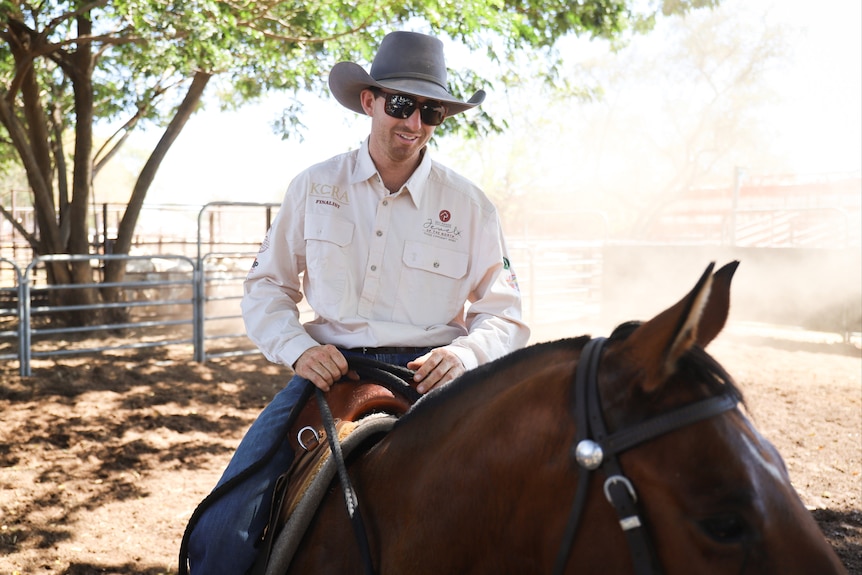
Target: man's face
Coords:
[(399, 139)]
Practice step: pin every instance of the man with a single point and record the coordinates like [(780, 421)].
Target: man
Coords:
[(400, 259)]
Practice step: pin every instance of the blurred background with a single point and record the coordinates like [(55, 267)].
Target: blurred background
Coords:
[(728, 133)]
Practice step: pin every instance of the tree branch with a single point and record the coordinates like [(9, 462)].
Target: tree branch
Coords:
[(31, 239), (148, 173)]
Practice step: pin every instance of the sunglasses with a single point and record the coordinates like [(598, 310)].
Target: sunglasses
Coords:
[(402, 106)]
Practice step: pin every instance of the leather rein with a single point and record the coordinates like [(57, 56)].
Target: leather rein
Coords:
[(397, 380), (596, 449)]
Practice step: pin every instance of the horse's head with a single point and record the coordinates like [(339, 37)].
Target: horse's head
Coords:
[(716, 496)]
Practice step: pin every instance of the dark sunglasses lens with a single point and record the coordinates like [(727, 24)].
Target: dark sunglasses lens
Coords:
[(400, 106), (432, 114)]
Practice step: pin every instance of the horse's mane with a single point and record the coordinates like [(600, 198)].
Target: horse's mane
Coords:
[(696, 364), (487, 371)]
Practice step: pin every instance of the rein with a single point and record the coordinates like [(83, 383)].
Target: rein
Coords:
[(595, 449), (394, 378), (350, 498)]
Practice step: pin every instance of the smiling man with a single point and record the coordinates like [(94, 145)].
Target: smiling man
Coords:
[(400, 258)]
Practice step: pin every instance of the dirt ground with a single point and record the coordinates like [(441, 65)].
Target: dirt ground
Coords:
[(103, 459)]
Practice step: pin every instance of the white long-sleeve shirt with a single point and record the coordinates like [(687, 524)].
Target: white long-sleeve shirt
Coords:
[(382, 269)]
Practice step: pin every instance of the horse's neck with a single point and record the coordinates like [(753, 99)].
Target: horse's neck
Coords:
[(510, 418), (502, 448)]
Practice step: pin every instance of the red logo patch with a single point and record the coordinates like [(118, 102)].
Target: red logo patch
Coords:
[(444, 215)]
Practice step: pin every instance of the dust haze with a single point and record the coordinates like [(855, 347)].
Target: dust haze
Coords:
[(732, 134)]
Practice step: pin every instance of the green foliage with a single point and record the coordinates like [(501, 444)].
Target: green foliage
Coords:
[(148, 50), (124, 63)]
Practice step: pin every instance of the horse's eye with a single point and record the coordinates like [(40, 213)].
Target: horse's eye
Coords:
[(726, 529)]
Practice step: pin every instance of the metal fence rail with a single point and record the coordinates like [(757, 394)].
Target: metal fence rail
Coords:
[(155, 305), (560, 281), (11, 340), (171, 300), (220, 291), (232, 231), (193, 299), (190, 299)]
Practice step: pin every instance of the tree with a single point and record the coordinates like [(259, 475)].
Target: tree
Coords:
[(67, 65), (662, 119)]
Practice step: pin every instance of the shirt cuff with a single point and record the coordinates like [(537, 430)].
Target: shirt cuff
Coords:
[(467, 357), (294, 348)]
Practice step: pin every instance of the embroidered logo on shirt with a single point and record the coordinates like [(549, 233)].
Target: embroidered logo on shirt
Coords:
[(442, 230), (265, 244), (444, 216), (511, 278), (329, 195), (263, 247)]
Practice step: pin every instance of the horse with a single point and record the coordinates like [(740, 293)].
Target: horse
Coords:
[(625, 454)]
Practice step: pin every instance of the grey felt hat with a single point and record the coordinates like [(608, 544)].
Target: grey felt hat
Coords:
[(406, 62)]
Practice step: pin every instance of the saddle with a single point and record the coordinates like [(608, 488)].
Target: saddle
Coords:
[(362, 410), (349, 402)]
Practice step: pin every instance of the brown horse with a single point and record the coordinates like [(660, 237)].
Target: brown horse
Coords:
[(482, 476)]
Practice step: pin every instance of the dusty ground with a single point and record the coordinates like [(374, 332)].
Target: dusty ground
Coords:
[(103, 459)]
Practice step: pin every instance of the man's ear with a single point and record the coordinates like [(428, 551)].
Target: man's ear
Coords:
[(366, 98)]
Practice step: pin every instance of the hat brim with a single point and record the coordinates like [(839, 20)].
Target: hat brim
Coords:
[(348, 79)]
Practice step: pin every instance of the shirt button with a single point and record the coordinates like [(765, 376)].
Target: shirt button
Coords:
[(385, 202), (379, 233), (436, 264), (374, 268)]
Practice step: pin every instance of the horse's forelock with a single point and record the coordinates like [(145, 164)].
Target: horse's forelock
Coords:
[(700, 364), (696, 364)]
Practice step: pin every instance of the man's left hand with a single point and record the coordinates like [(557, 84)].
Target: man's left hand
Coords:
[(436, 368)]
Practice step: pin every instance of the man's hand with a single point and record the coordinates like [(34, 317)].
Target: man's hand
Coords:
[(322, 365), (436, 368)]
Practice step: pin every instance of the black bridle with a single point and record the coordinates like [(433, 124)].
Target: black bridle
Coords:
[(595, 449)]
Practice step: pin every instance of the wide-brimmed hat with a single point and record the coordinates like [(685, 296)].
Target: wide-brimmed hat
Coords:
[(406, 62)]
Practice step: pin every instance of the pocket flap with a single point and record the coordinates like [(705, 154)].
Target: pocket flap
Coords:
[(449, 263), (328, 229)]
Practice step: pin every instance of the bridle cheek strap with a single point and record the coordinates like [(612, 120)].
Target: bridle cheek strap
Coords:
[(595, 449)]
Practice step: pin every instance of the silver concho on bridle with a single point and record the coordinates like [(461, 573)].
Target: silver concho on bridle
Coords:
[(589, 454)]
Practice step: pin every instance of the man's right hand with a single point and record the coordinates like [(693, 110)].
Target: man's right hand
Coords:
[(322, 365)]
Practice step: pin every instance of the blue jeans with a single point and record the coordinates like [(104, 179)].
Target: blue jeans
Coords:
[(223, 540)]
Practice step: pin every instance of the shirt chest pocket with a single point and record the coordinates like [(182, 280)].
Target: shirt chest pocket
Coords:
[(446, 263), (432, 285), (327, 245), (328, 229)]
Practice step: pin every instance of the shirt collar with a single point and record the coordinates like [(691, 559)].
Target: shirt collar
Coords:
[(364, 169), (415, 185)]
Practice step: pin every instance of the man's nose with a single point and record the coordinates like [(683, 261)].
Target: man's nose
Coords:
[(415, 120)]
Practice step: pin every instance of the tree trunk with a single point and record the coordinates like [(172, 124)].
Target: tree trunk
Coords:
[(115, 270), (59, 152), (81, 73), (31, 139)]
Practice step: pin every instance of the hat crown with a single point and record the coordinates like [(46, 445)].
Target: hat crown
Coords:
[(409, 55), (406, 62)]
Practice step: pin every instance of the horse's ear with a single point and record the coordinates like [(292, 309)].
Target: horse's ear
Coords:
[(697, 318), (714, 315)]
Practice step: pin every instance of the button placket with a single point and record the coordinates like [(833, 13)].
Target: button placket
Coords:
[(376, 249)]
